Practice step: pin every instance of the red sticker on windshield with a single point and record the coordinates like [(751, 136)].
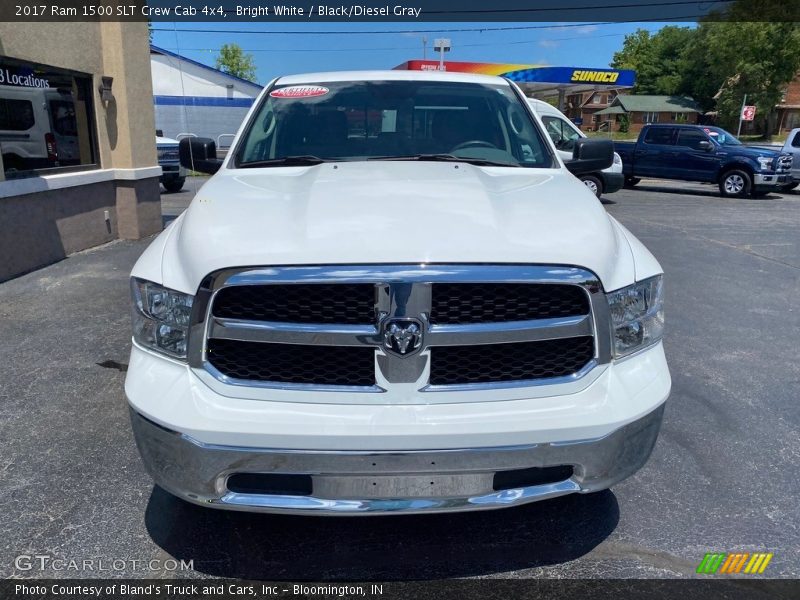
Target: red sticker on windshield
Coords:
[(299, 91)]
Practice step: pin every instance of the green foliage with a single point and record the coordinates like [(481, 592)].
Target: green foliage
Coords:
[(757, 59), (717, 62), (624, 123), (233, 60), (658, 59)]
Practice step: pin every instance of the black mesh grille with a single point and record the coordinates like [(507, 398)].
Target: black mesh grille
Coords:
[(290, 363), (451, 365), (487, 302), (348, 304)]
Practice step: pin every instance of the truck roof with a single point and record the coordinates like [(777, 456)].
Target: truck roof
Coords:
[(692, 125), (394, 75)]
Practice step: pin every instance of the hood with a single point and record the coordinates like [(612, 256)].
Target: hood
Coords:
[(166, 141), (393, 212), (755, 151)]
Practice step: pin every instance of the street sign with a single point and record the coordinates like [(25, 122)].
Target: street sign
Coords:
[(748, 113)]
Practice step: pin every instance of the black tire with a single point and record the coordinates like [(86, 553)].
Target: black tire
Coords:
[(631, 181), (174, 185), (594, 184), (735, 184), (789, 186), (12, 162)]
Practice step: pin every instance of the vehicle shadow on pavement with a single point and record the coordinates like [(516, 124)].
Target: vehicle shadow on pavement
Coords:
[(711, 192), (292, 548)]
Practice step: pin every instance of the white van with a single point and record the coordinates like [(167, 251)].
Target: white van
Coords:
[(38, 128), (564, 132)]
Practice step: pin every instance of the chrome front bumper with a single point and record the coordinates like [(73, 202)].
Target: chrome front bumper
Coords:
[(356, 483), (772, 180)]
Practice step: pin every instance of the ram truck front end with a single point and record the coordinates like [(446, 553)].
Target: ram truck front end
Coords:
[(331, 328)]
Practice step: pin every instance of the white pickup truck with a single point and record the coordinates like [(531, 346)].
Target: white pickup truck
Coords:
[(394, 297)]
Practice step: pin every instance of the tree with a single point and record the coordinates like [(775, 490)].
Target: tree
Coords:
[(731, 59), (624, 123), (725, 57), (658, 59), (233, 60)]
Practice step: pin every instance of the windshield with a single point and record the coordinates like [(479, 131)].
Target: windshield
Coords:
[(721, 136), (392, 120)]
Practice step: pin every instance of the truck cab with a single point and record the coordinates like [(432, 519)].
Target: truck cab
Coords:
[(792, 146), (563, 133), (705, 154)]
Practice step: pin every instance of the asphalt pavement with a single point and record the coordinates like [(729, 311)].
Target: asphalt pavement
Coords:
[(723, 476)]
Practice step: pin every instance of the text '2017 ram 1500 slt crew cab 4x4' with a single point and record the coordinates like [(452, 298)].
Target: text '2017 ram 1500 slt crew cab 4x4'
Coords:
[(706, 154), (394, 297)]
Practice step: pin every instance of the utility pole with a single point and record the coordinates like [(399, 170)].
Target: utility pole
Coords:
[(741, 111), (424, 47)]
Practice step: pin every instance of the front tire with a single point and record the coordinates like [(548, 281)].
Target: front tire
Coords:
[(631, 181), (735, 184), (594, 184), (174, 185)]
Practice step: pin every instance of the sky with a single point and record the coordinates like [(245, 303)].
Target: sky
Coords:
[(287, 48)]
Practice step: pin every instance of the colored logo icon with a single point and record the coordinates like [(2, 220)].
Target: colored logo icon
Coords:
[(736, 562)]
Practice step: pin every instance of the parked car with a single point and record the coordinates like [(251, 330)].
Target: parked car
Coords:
[(792, 146), (564, 132), (706, 154), (173, 175), (436, 316), (38, 128)]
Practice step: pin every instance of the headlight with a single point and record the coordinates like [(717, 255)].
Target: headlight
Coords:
[(637, 315), (161, 317), (617, 159), (765, 162)]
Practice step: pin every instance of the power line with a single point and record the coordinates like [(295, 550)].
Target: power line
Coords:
[(384, 32), (551, 9), (445, 30), (574, 8), (396, 48)]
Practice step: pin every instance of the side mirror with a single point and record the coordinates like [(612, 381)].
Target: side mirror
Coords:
[(590, 156), (705, 145), (199, 154)]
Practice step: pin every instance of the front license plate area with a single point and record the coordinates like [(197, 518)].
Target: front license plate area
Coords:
[(402, 486)]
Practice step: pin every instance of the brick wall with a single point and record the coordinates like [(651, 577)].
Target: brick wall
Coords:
[(793, 92)]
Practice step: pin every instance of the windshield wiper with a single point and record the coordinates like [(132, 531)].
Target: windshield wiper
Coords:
[(447, 158), (284, 161)]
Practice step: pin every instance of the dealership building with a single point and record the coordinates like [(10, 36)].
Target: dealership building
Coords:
[(191, 98), (76, 140)]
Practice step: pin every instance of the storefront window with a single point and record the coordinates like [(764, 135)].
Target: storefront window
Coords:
[(46, 119)]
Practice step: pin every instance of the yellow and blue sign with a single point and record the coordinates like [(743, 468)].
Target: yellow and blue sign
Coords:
[(532, 73)]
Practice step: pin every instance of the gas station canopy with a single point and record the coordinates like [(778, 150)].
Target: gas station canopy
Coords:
[(536, 79)]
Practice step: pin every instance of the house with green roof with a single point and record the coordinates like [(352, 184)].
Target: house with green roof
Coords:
[(643, 109)]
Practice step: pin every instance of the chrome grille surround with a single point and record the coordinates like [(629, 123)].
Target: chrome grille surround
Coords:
[(784, 163), (402, 292)]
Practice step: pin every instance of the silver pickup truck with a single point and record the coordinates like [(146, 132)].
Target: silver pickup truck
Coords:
[(792, 146)]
